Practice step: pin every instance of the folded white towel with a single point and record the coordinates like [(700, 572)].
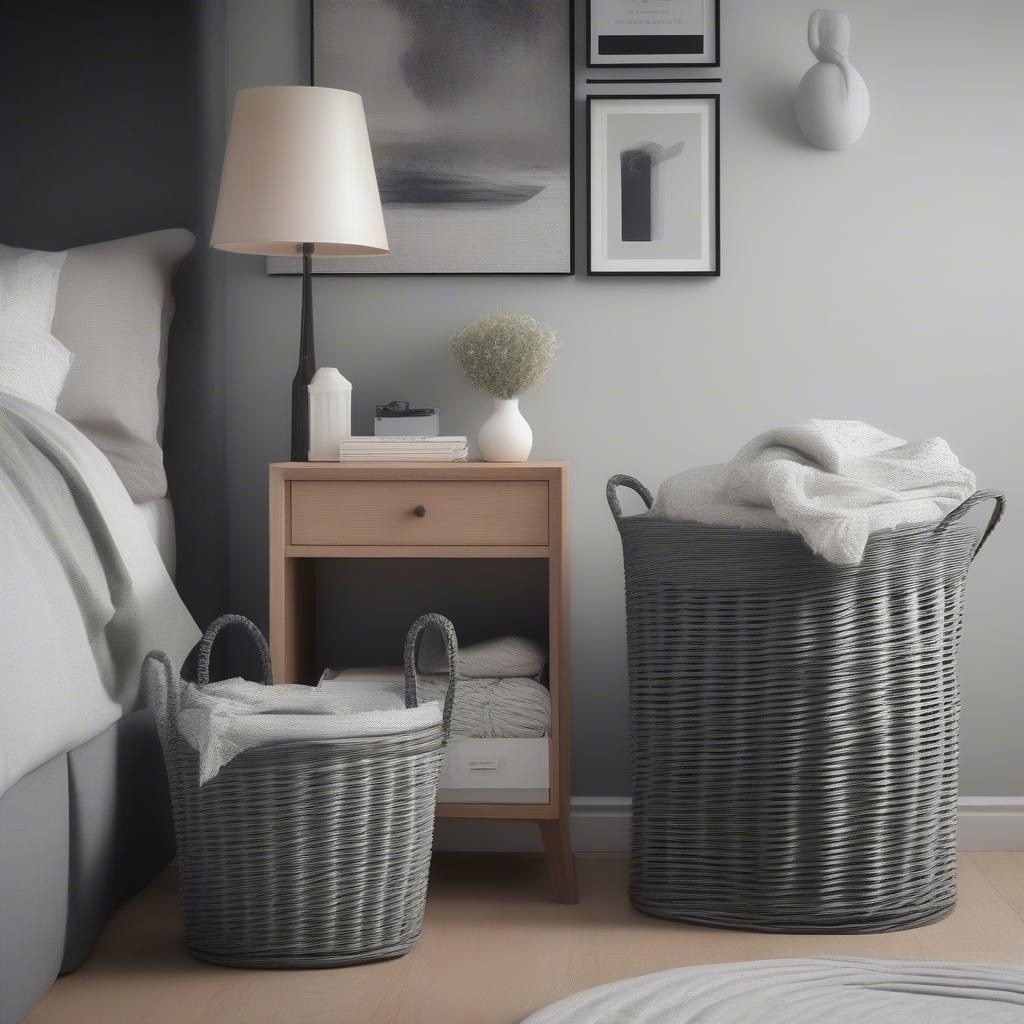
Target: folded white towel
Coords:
[(223, 719), (503, 657), (835, 482)]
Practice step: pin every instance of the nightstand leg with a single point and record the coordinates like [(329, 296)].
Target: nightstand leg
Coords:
[(561, 864), (291, 611)]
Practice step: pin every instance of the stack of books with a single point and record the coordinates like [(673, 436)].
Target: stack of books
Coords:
[(403, 449)]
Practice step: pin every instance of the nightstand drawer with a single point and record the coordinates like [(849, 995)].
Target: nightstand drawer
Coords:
[(393, 513)]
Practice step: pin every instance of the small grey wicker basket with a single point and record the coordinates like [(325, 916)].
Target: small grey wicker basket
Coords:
[(299, 853), (794, 723)]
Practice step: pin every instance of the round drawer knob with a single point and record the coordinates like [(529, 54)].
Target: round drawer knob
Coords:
[(419, 511)]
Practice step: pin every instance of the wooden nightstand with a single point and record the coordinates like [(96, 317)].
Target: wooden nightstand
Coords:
[(402, 510)]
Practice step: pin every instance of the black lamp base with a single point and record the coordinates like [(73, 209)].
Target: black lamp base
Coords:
[(307, 363)]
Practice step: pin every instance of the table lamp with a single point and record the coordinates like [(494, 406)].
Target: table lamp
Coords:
[(298, 178)]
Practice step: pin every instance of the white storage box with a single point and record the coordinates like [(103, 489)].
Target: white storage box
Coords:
[(499, 771), (476, 771)]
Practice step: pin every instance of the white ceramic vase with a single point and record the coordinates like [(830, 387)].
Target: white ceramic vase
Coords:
[(330, 414), (832, 102), (506, 436)]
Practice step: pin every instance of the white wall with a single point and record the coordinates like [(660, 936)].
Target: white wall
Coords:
[(883, 283)]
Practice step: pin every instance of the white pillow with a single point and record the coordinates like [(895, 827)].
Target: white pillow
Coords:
[(33, 364), (114, 309), (28, 287)]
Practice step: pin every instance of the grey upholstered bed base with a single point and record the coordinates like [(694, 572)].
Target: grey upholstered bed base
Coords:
[(78, 836)]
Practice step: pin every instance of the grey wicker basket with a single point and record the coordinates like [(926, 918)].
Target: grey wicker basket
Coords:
[(305, 854), (794, 723)]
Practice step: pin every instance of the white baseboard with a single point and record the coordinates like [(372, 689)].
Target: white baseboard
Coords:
[(991, 823), (600, 824)]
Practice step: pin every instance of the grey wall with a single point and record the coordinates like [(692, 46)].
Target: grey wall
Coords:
[(111, 121), (98, 107), (883, 283)]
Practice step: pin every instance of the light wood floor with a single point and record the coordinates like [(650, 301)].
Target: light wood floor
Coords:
[(493, 950)]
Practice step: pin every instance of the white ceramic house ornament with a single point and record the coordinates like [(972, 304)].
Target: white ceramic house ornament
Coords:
[(832, 103)]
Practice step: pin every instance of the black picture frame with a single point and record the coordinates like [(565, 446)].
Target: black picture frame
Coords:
[(275, 265), (716, 270), (717, 62)]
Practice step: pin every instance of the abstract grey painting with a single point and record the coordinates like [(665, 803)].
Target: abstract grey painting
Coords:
[(468, 104)]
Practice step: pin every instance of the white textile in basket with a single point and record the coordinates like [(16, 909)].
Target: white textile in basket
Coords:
[(223, 719), (835, 482)]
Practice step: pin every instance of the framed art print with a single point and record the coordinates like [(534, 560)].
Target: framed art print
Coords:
[(652, 185), (469, 110), (653, 33)]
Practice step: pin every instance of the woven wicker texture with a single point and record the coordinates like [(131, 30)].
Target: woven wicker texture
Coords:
[(794, 723), (305, 854)]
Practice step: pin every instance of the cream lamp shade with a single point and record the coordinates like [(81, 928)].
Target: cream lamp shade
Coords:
[(298, 177), (298, 170)]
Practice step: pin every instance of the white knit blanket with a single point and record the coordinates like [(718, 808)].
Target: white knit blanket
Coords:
[(505, 708), (223, 719), (835, 482)]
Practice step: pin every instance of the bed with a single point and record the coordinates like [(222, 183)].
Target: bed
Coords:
[(158, 517), (86, 564)]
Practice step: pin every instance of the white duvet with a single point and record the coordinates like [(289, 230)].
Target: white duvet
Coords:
[(84, 594)]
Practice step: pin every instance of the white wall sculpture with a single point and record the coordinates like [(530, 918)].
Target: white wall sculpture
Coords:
[(832, 103)]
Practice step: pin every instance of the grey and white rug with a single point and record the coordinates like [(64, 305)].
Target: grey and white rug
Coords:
[(835, 990)]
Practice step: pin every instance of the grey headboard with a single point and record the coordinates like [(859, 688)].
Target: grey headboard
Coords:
[(111, 116)]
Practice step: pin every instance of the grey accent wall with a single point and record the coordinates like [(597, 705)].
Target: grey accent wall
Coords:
[(112, 123)]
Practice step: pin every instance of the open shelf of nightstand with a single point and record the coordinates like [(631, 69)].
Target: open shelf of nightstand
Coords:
[(468, 510)]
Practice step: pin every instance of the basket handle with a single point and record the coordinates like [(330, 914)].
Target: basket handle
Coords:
[(162, 692), (611, 492), (965, 506), (206, 647), (451, 646)]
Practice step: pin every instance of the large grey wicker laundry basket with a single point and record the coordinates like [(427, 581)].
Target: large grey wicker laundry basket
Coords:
[(299, 853), (794, 723)]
